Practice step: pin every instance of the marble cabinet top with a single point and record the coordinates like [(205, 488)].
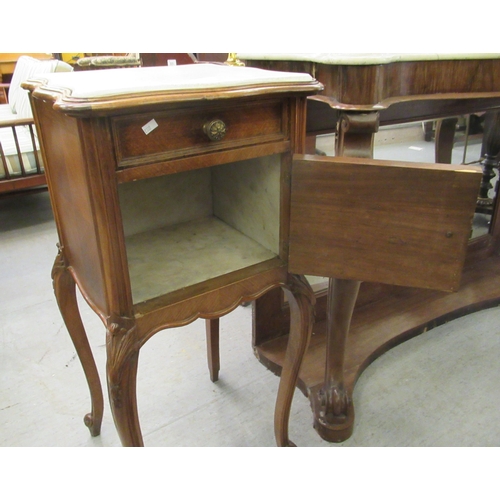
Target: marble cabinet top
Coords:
[(361, 58), (118, 82)]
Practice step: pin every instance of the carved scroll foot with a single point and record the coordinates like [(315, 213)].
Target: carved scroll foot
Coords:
[(122, 363), (333, 426), (331, 402), (65, 292), (301, 299)]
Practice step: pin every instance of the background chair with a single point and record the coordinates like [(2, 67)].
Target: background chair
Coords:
[(109, 61), (21, 165)]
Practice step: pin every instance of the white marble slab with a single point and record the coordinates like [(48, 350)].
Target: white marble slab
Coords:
[(125, 81), (362, 58)]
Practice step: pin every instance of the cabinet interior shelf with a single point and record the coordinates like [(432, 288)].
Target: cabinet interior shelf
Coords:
[(189, 227), (171, 258)]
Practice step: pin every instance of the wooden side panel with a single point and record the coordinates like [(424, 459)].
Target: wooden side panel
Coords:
[(397, 223), (71, 199)]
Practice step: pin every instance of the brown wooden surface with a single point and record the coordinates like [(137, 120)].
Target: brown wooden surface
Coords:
[(79, 140), (401, 92), (362, 87), (385, 316), (398, 223), (8, 62), (23, 184), (180, 132), (212, 327), (23, 181), (220, 57), (162, 59), (4, 92)]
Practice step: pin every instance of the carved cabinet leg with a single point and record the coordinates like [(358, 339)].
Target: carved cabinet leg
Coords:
[(213, 357), (301, 299), (121, 366), (65, 292), (332, 403)]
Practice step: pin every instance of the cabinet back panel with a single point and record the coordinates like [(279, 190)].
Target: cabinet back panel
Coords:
[(247, 197), (158, 202)]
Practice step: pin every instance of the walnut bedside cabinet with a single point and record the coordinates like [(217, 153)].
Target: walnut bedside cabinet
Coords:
[(171, 193)]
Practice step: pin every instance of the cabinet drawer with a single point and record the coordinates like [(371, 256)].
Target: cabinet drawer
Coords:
[(160, 136)]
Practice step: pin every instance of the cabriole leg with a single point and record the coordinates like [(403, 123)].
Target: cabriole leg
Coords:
[(121, 367), (332, 403), (65, 292), (213, 356), (302, 301)]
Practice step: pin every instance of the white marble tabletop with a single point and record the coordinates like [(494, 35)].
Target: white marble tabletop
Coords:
[(361, 58)]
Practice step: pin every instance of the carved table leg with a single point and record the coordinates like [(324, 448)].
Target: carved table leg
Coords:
[(491, 150), (213, 357), (65, 292), (332, 404), (122, 363), (445, 134), (302, 300), (356, 134)]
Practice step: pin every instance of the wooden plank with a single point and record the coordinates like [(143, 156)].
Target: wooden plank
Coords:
[(376, 328), (398, 223)]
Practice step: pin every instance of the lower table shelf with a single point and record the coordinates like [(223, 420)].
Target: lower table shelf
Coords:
[(388, 317)]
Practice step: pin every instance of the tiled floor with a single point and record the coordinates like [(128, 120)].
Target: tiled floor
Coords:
[(439, 389)]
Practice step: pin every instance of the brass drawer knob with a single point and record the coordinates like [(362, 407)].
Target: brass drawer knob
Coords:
[(215, 130)]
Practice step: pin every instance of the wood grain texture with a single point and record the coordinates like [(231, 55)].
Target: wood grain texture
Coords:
[(371, 220), (96, 205), (179, 133), (385, 316), (377, 86)]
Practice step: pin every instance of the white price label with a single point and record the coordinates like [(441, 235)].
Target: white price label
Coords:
[(150, 126)]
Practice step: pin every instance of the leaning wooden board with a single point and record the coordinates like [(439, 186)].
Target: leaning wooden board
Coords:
[(398, 223)]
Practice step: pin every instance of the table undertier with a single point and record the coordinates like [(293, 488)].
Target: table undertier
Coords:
[(385, 316)]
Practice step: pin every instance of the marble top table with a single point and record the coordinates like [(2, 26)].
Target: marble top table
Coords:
[(356, 324), (402, 87), (363, 58)]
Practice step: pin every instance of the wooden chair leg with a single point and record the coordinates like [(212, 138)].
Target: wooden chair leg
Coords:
[(213, 356)]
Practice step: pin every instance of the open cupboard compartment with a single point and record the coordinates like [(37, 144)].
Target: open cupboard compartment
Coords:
[(373, 220), (188, 227)]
